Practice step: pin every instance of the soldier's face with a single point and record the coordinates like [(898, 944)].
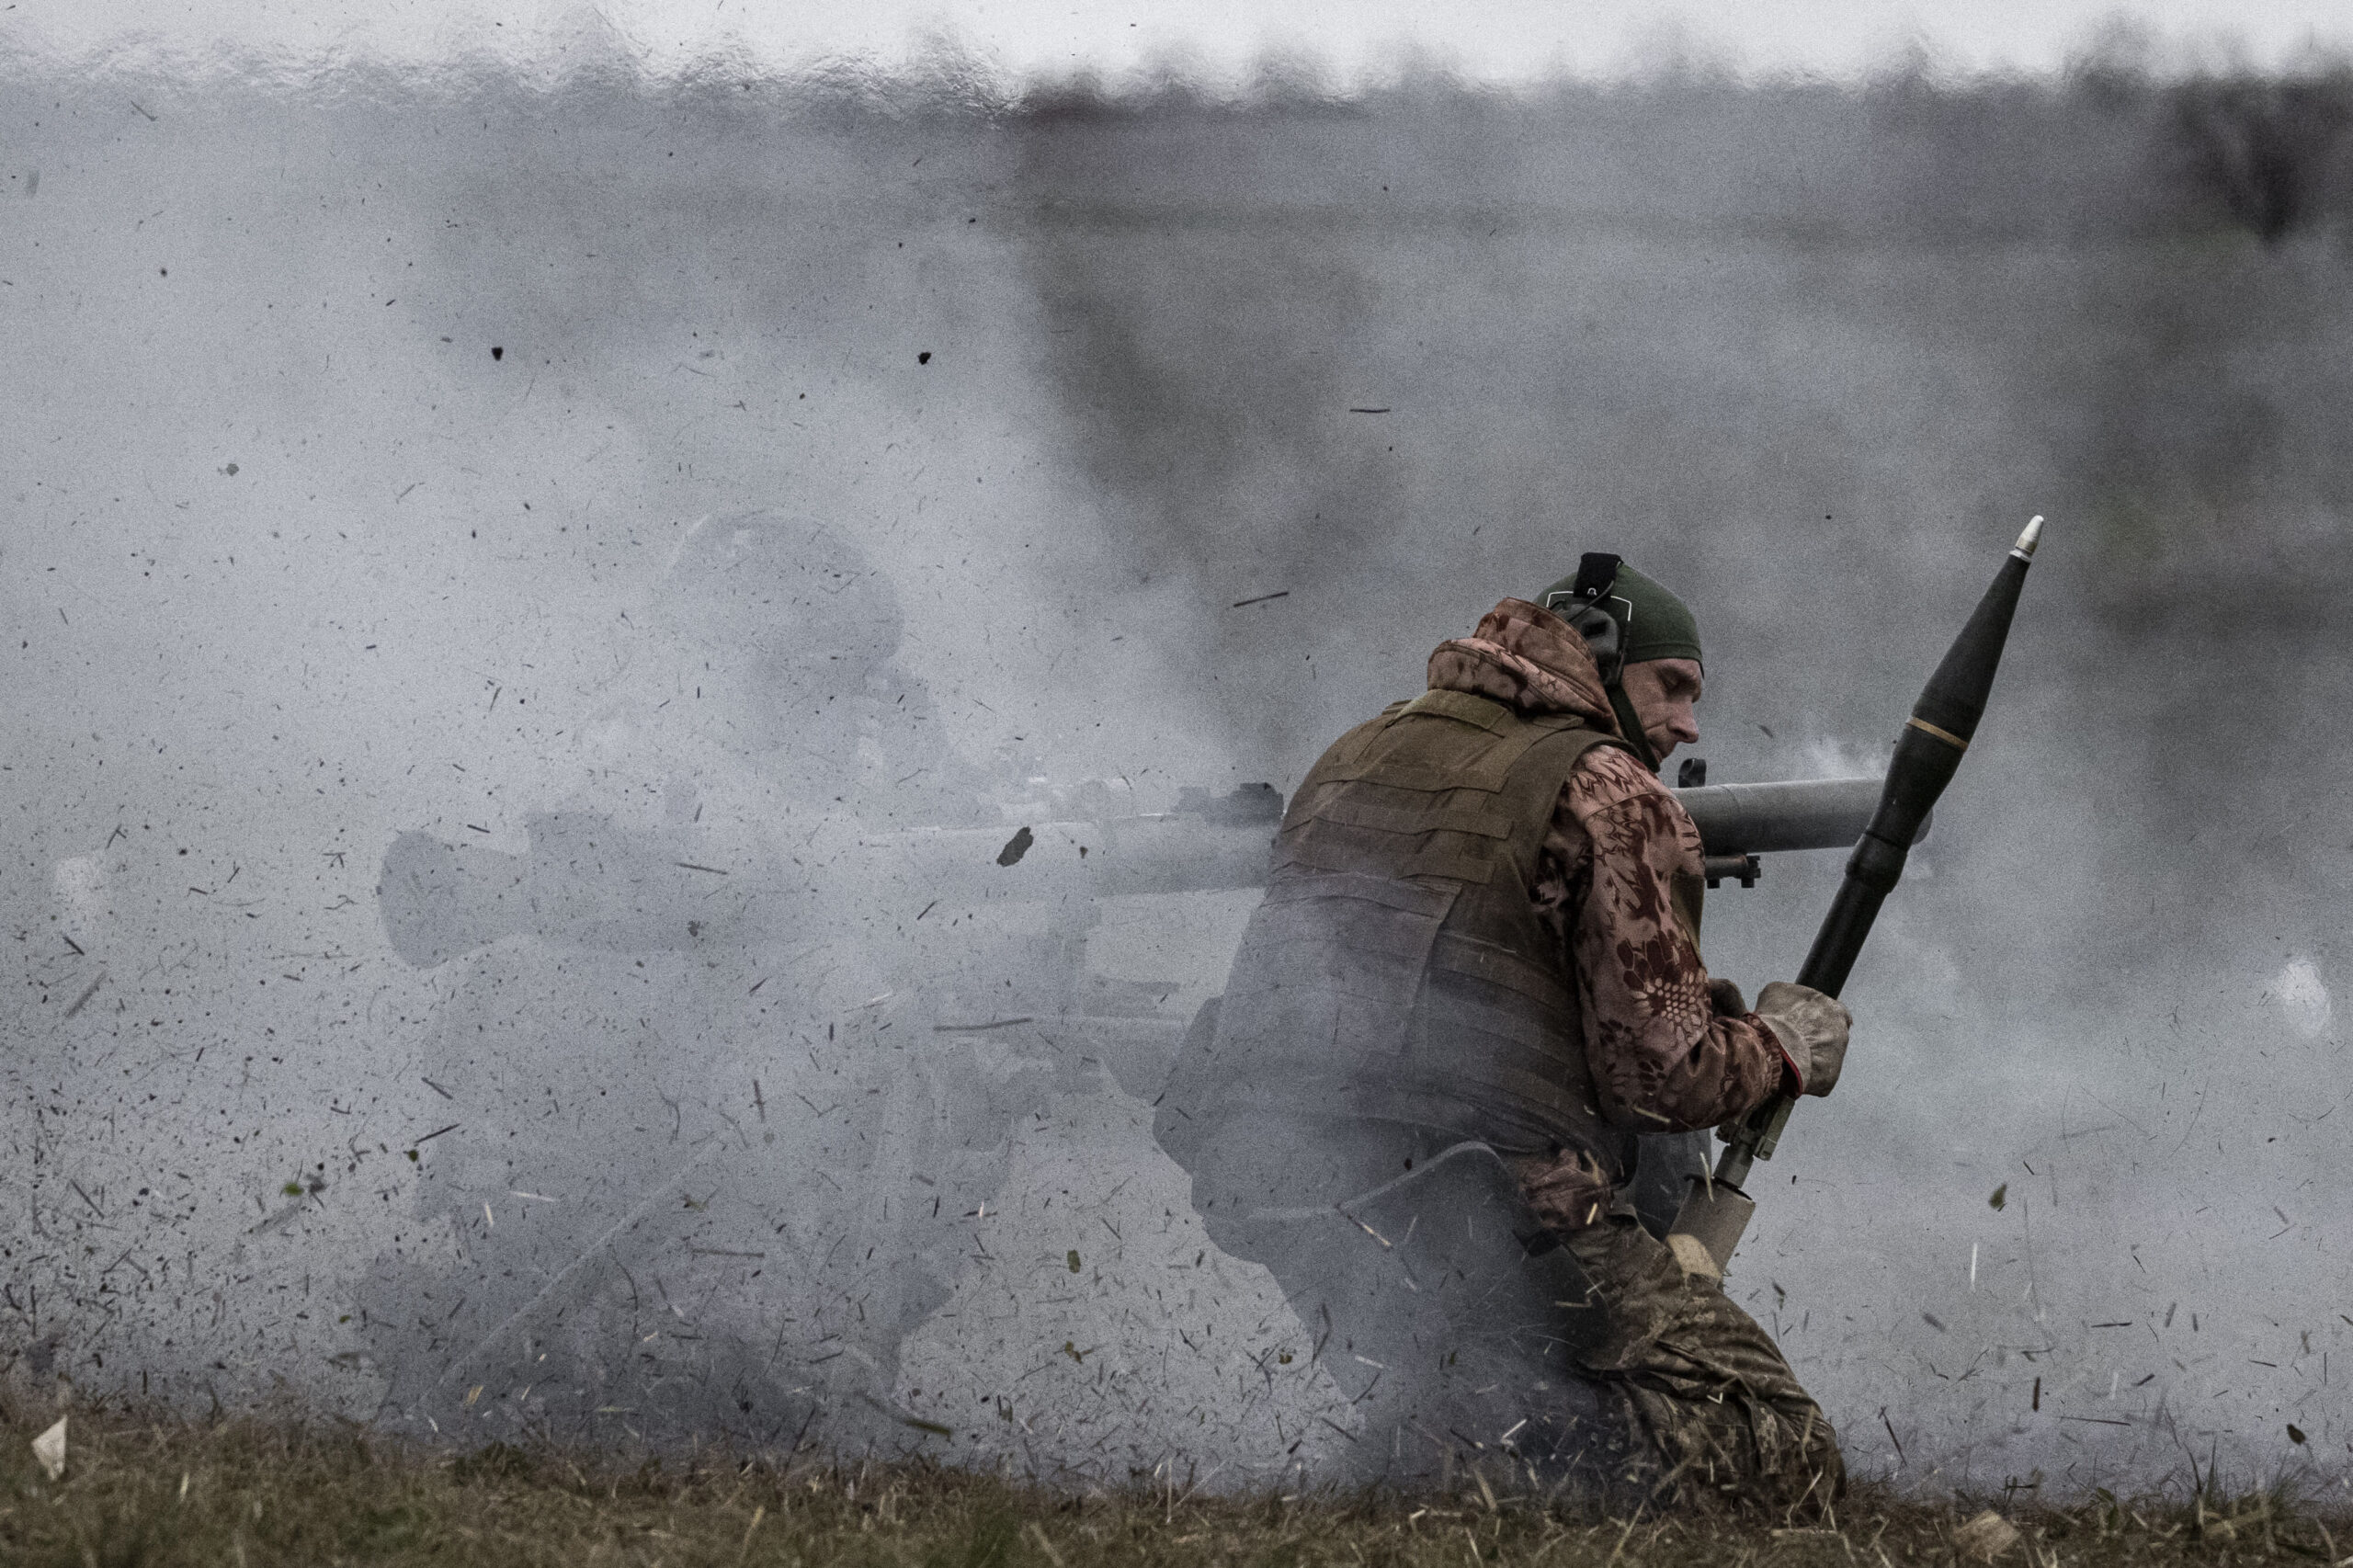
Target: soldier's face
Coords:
[(1663, 692)]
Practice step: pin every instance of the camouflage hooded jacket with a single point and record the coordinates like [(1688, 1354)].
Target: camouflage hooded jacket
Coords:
[(1668, 1049)]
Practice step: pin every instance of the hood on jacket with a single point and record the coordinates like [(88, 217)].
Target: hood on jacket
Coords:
[(1527, 658)]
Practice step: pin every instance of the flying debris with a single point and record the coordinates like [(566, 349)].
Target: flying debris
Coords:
[(49, 1449), (1986, 1536)]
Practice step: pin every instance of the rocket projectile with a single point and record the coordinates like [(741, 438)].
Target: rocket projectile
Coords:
[(1928, 751)]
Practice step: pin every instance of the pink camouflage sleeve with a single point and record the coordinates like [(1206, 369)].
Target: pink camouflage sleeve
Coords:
[(1663, 1058)]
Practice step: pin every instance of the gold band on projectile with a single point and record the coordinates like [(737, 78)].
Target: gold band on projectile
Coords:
[(1944, 736)]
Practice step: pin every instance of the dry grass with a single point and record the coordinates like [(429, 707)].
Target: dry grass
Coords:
[(250, 1493)]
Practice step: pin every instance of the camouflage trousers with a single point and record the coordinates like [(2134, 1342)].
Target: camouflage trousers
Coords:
[(1702, 1388)]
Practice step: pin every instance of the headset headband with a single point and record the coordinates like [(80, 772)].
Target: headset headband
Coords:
[(1596, 574)]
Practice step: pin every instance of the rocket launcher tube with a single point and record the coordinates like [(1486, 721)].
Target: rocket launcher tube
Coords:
[(653, 890), (1944, 720), (1798, 813)]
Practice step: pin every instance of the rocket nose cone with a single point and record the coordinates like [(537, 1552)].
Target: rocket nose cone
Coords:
[(2023, 549)]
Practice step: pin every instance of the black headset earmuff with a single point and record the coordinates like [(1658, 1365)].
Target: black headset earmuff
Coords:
[(1580, 606)]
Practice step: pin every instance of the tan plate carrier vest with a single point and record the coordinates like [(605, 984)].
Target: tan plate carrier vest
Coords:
[(1396, 970)]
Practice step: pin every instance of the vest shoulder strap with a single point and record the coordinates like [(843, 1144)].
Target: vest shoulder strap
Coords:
[(1405, 752), (1468, 707), (1436, 787)]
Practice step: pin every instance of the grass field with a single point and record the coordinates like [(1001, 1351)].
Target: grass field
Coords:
[(249, 1493)]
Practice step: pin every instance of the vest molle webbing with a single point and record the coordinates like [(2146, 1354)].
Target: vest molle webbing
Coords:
[(1396, 970)]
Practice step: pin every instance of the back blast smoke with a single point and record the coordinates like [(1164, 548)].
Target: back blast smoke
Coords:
[(642, 705)]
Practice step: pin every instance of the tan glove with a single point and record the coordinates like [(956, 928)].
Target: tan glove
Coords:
[(1812, 1028)]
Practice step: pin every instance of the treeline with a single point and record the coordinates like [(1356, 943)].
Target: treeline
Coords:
[(2104, 151), (2110, 148)]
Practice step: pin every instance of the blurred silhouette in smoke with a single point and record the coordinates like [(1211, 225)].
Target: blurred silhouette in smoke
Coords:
[(708, 1153), (718, 1116)]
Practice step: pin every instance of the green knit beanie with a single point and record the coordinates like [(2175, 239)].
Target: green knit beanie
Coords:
[(1652, 623)]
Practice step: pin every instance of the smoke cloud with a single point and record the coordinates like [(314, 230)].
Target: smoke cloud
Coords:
[(547, 610)]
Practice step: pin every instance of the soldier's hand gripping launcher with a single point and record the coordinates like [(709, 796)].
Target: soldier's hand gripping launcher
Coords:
[(1716, 1209)]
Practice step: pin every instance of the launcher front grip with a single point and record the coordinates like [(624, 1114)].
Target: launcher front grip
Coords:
[(1944, 720)]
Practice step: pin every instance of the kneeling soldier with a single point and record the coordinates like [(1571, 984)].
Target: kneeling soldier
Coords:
[(1474, 981)]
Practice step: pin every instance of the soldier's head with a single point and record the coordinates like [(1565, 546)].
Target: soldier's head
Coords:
[(787, 594), (1647, 644), (784, 631)]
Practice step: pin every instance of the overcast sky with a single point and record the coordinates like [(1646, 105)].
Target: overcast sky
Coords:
[(1494, 39)]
